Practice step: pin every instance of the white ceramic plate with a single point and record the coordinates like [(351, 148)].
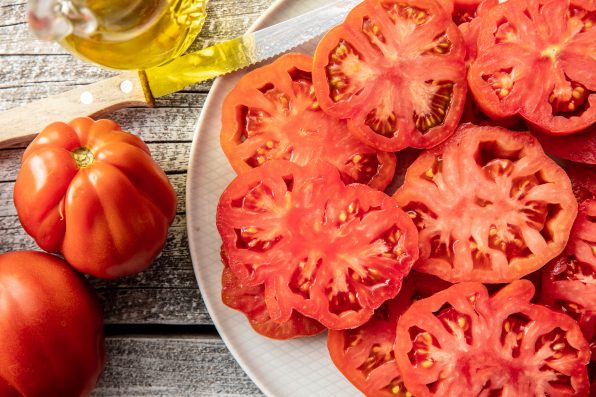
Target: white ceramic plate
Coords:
[(280, 368)]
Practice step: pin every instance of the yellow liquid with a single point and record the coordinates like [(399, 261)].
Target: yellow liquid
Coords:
[(201, 65), (139, 34)]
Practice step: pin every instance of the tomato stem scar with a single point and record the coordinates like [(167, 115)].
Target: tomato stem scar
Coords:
[(83, 157)]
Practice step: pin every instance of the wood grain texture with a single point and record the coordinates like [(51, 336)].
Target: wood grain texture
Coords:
[(22, 123), (171, 366), (166, 294)]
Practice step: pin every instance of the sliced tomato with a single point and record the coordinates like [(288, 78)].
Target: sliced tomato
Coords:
[(490, 206), (364, 355), (464, 11), (329, 251), (536, 59), (579, 147), (395, 69), (273, 114), (569, 281), (251, 302), (466, 17), (583, 181), (462, 342)]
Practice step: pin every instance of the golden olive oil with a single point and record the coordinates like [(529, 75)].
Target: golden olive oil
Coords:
[(202, 65), (138, 34)]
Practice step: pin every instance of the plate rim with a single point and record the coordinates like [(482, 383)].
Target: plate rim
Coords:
[(259, 23)]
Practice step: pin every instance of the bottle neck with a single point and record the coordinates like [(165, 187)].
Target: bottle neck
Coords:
[(56, 19)]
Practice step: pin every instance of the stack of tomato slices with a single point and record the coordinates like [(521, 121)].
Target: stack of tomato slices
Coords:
[(467, 268)]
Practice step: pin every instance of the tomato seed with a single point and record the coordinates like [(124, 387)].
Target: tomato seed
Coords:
[(427, 363)]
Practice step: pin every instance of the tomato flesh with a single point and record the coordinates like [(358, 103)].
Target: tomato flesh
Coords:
[(329, 251), (364, 355), (568, 282), (464, 11), (461, 342), (535, 58), (395, 70), (251, 302), (490, 206), (273, 114), (579, 147)]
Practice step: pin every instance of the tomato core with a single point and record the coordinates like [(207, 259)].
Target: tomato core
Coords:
[(83, 157), (551, 52)]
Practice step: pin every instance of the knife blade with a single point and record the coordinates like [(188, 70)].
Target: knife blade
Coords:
[(246, 50), (21, 124)]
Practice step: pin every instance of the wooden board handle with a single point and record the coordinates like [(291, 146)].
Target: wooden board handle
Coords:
[(21, 124)]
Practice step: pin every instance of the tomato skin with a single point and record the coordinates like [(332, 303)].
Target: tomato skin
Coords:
[(460, 341), (579, 147), (583, 181), (109, 218), (332, 252), (389, 122), (364, 355), (489, 205), (251, 302), (52, 328), (272, 113), (568, 280)]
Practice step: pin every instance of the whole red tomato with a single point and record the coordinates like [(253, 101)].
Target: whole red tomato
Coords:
[(92, 192), (52, 342)]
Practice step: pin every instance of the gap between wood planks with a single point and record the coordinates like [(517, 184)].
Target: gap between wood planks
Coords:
[(159, 330)]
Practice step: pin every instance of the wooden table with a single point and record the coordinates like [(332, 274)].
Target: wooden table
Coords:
[(160, 338)]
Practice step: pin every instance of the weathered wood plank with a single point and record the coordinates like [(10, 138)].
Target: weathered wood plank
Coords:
[(165, 293), (171, 156), (26, 89), (166, 366), (170, 269), (168, 305), (175, 114), (7, 207), (226, 19), (34, 79)]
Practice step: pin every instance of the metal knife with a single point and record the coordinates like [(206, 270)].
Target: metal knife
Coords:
[(21, 124)]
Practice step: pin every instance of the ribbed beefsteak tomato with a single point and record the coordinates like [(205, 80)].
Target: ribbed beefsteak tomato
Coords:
[(51, 328), (93, 193)]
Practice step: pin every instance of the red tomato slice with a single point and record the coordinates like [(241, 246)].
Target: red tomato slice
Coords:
[(364, 355), (466, 10), (466, 16), (461, 342), (396, 70), (583, 181), (579, 147), (251, 302), (273, 114), (490, 206), (568, 282), (536, 58), (329, 251)]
